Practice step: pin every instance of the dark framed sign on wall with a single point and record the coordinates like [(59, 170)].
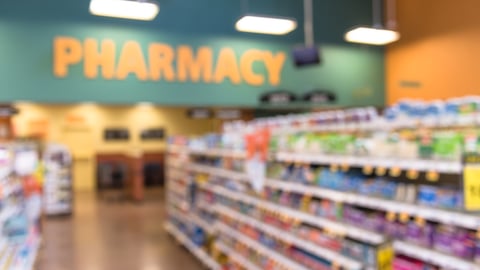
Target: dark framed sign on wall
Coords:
[(152, 134), (116, 134)]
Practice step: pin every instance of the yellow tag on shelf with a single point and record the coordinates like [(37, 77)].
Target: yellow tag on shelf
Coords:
[(420, 221), (395, 172), (385, 258), (433, 176), (368, 169), (334, 168), (471, 187), (404, 217), (391, 216), (412, 174), (345, 167), (380, 171)]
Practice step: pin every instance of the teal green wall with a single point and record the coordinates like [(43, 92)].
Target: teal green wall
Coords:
[(26, 53)]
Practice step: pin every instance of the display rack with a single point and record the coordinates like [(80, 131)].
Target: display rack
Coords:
[(227, 191), (58, 193), (260, 248), (466, 220), (19, 235), (290, 238), (195, 250), (236, 257)]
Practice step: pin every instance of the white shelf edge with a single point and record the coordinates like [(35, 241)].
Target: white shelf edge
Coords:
[(434, 214), (32, 256), (441, 166), (325, 253), (198, 252), (443, 216), (193, 219), (433, 257), (217, 152), (259, 247), (236, 257), (341, 228)]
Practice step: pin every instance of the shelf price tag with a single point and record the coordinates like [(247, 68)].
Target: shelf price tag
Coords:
[(432, 176), (345, 167), (420, 221), (385, 256), (391, 216), (368, 169), (404, 217), (395, 172), (412, 174), (334, 168), (471, 182), (380, 171)]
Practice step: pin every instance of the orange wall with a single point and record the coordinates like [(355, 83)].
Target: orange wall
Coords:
[(439, 49)]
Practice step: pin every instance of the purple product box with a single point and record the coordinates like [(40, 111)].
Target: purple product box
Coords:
[(375, 222), (455, 241), (420, 235), (477, 251), (396, 229)]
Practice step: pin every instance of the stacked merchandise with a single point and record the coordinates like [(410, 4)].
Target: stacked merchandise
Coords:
[(58, 197), (20, 206), (344, 190), (188, 222)]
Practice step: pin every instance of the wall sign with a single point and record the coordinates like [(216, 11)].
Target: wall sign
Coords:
[(280, 97), (152, 134), (78, 61), (319, 97), (228, 114), (116, 134), (164, 62), (200, 113)]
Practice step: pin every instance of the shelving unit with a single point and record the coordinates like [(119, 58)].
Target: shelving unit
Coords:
[(461, 219), (190, 246), (313, 204), (192, 219), (17, 251), (338, 227), (433, 257), (259, 247), (236, 257), (290, 238), (444, 216), (440, 166)]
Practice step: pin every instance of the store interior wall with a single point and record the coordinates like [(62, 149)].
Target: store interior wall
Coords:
[(34, 35), (81, 126), (438, 55)]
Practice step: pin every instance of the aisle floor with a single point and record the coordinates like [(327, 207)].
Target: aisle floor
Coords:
[(113, 236)]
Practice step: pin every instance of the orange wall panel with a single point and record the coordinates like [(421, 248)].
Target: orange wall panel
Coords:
[(438, 55)]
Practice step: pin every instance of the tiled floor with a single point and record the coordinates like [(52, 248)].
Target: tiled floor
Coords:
[(112, 236)]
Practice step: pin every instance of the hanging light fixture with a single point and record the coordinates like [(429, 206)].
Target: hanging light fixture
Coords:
[(128, 9), (262, 24), (376, 35)]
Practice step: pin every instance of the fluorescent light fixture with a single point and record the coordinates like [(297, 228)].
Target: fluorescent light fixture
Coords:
[(127, 9), (373, 36), (266, 25)]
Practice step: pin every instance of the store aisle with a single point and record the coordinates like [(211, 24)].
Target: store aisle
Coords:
[(107, 236)]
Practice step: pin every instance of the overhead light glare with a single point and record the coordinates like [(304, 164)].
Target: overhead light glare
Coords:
[(266, 25), (372, 36), (126, 9)]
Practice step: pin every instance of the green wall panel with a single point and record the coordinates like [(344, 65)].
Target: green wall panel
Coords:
[(27, 30)]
